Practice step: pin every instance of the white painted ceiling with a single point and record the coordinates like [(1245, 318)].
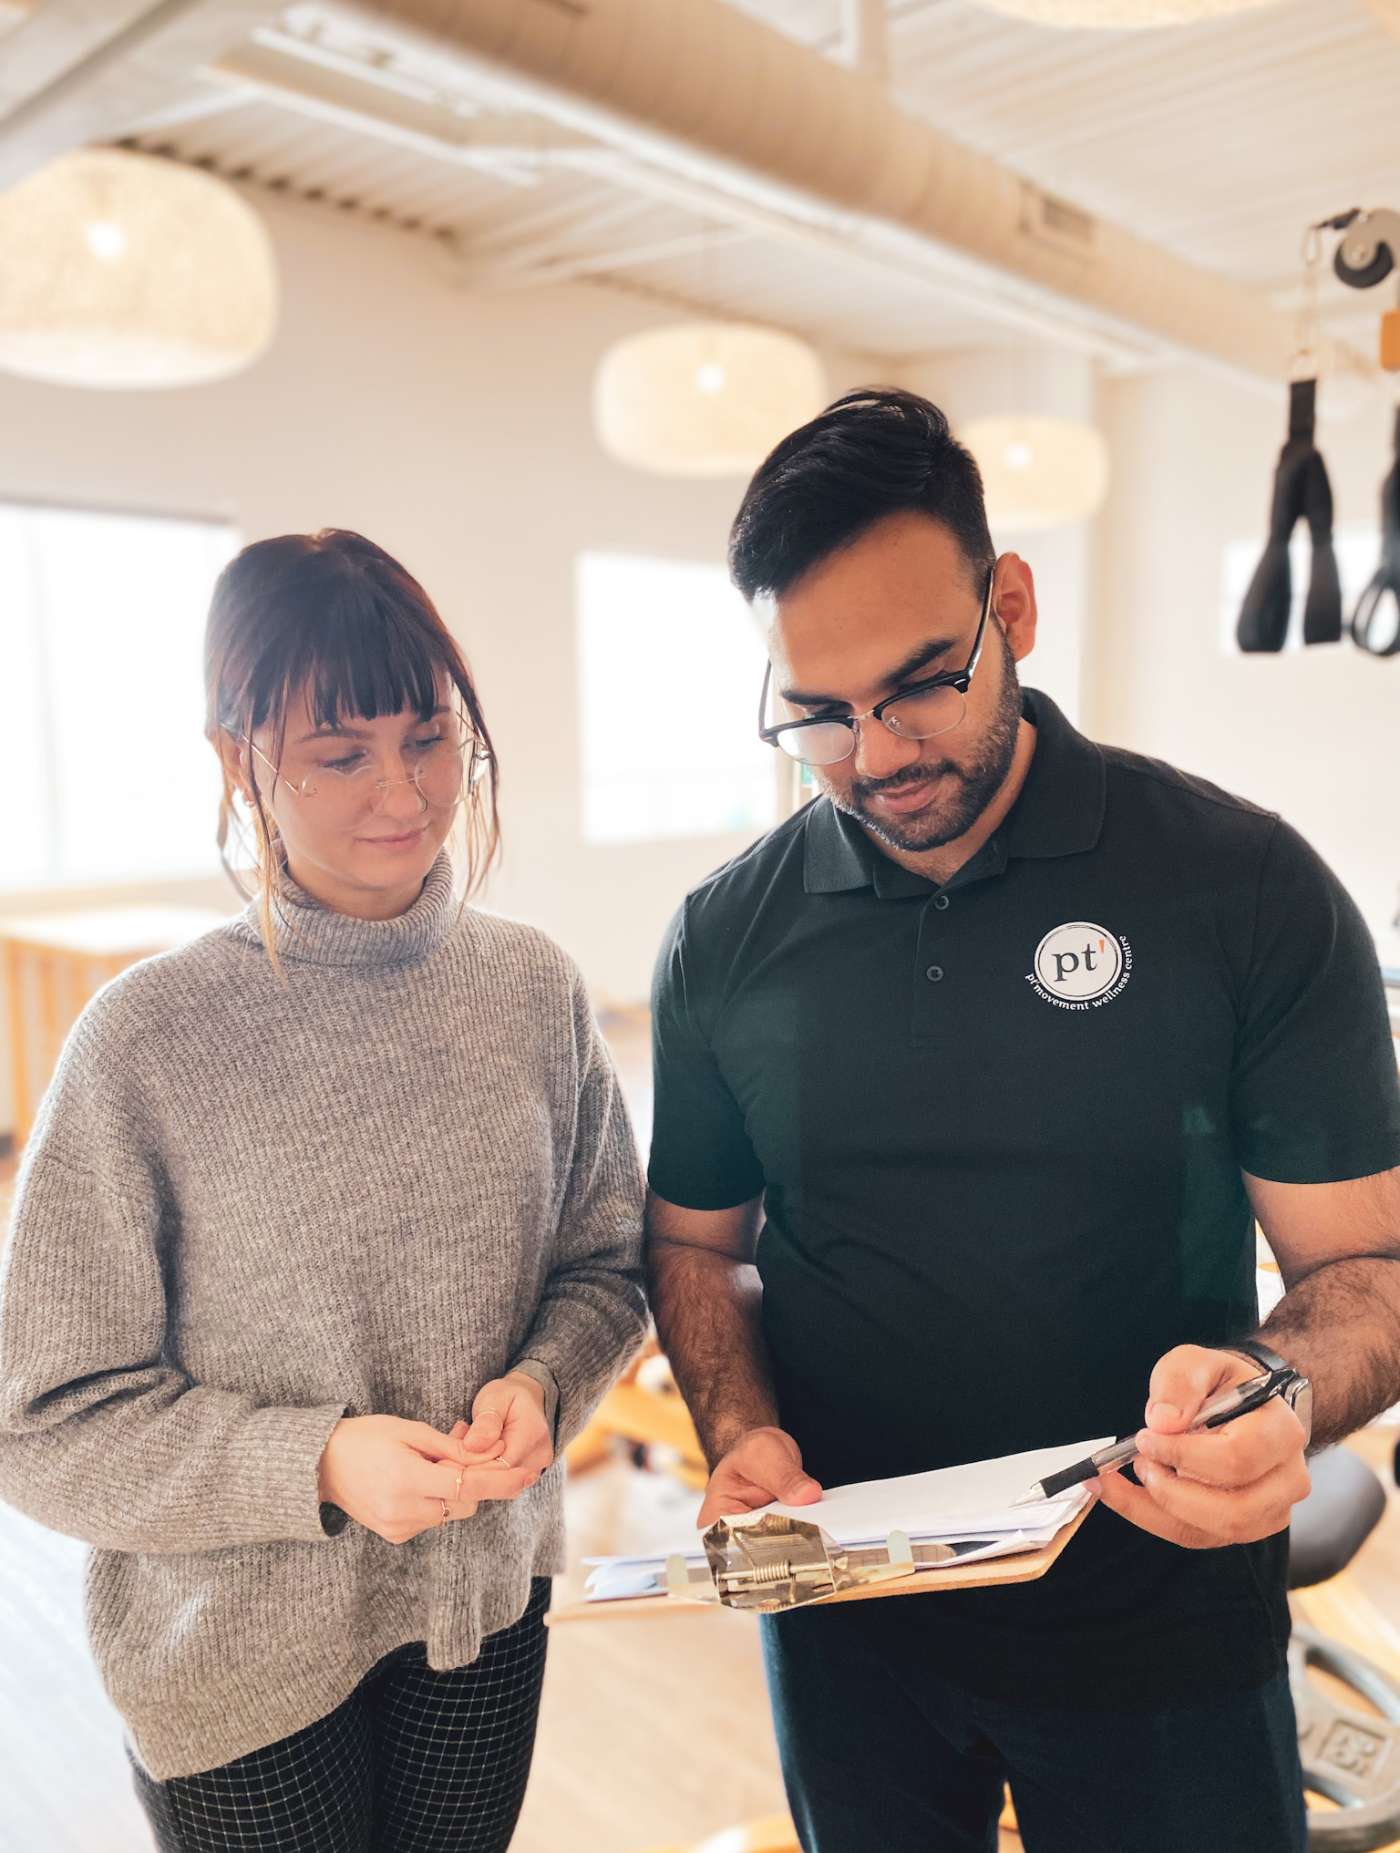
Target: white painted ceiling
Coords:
[(1219, 141), (1216, 142)]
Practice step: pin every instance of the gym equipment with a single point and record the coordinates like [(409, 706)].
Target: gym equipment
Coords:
[(1302, 492), (1368, 631), (1349, 1754)]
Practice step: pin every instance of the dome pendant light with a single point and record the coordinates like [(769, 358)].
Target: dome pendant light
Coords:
[(1038, 472), (120, 269), (704, 398)]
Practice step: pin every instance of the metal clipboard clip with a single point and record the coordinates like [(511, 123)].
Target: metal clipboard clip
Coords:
[(772, 1563)]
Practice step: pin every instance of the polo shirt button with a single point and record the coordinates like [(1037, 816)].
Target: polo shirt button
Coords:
[(934, 973), (940, 901)]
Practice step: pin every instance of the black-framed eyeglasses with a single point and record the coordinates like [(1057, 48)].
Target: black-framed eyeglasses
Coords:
[(933, 706)]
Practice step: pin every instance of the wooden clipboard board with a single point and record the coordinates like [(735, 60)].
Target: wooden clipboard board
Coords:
[(1023, 1567)]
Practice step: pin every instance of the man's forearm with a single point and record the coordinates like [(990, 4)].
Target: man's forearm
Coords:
[(1341, 1327), (708, 1311)]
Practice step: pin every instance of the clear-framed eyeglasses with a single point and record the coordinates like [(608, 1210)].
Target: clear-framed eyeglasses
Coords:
[(919, 712), (448, 762)]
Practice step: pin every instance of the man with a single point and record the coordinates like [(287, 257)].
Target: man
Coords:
[(971, 1080)]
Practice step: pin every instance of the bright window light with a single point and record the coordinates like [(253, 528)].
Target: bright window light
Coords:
[(1358, 551), (102, 746), (670, 666)]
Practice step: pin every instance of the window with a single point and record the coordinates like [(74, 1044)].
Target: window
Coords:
[(1358, 551), (670, 667), (102, 746)]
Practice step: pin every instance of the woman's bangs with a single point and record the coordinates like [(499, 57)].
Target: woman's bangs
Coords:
[(361, 661)]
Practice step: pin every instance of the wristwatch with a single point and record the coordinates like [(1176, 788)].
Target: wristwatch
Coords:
[(1297, 1392)]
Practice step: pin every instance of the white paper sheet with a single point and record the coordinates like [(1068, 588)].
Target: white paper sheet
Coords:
[(950, 1501), (967, 1502)]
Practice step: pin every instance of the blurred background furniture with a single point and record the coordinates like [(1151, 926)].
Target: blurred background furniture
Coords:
[(54, 963)]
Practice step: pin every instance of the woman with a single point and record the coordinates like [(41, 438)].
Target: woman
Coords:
[(326, 1241)]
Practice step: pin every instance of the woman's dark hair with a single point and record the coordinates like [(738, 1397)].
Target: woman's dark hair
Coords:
[(334, 613), (878, 451)]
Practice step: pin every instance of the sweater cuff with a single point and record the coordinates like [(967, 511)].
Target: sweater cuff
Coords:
[(549, 1384), (274, 1468)]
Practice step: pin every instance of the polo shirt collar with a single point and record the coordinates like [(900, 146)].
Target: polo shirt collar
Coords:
[(1058, 812)]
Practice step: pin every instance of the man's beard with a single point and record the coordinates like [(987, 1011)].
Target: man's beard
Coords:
[(973, 787)]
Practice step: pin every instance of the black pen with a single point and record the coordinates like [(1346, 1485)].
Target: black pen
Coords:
[(1250, 1394)]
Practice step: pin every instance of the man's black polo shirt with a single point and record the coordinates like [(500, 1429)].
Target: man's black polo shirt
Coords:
[(999, 1128)]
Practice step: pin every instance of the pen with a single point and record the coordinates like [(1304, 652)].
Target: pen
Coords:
[(1250, 1394)]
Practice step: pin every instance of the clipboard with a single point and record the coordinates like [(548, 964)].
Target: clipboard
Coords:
[(874, 1573)]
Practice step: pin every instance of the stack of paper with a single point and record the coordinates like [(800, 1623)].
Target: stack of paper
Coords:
[(970, 1508)]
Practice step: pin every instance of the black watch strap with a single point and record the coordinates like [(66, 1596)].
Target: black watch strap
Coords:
[(1262, 1355), (1298, 1393)]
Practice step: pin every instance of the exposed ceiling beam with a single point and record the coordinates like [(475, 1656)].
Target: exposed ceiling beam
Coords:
[(865, 37), (506, 273), (38, 52), (512, 147), (76, 74), (216, 100), (518, 256), (919, 268)]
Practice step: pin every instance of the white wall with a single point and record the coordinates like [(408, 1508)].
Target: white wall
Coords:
[(455, 430), (1002, 382), (1314, 734)]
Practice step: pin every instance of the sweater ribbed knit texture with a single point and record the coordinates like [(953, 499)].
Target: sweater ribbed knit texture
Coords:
[(246, 1210)]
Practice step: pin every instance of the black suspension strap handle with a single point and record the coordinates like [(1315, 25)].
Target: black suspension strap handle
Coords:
[(1370, 629)]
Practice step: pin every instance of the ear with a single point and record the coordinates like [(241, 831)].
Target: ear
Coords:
[(233, 757), (1013, 601)]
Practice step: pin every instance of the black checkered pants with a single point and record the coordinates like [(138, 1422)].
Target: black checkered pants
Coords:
[(413, 1761)]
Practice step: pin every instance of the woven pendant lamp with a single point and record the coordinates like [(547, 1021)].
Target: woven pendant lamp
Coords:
[(1038, 472), (704, 398), (120, 269)]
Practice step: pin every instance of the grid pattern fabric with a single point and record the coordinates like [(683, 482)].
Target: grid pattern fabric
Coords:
[(413, 1761)]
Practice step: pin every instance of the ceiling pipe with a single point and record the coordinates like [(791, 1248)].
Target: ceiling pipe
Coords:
[(703, 91)]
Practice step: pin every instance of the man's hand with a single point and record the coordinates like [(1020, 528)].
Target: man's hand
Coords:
[(508, 1424), (763, 1465), (1227, 1485)]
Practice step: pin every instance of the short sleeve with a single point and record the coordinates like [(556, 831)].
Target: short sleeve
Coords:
[(701, 1157), (1314, 1091)]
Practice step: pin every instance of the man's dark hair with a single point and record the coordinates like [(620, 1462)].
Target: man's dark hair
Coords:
[(875, 452)]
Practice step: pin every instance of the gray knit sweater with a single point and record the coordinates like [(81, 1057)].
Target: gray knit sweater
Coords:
[(246, 1211)]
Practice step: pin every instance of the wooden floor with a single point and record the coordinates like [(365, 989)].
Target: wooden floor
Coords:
[(653, 1733)]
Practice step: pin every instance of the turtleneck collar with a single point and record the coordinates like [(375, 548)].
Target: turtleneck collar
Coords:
[(311, 933)]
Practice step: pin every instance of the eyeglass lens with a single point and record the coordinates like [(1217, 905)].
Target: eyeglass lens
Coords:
[(912, 717)]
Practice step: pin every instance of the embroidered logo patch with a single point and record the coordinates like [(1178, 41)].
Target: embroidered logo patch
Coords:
[(1080, 966)]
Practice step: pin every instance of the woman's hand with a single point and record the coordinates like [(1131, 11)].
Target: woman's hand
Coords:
[(392, 1475), (508, 1424)]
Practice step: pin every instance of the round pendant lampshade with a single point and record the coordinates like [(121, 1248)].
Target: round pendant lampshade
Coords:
[(120, 269), (704, 398), (1120, 13), (1388, 13), (1038, 472)]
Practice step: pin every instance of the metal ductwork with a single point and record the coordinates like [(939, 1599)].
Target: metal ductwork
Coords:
[(700, 93)]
